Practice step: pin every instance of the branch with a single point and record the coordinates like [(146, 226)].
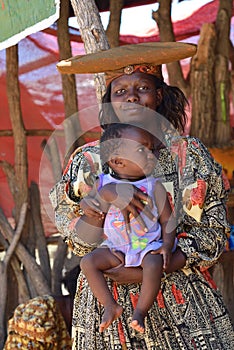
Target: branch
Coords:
[(10, 174), (17, 235), (33, 269)]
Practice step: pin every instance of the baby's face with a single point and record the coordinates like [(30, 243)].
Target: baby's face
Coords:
[(137, 152)]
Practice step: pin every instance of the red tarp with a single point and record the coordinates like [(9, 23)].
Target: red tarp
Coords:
[(42, 102)]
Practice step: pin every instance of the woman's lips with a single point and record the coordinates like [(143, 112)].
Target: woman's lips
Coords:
[(132, 107)]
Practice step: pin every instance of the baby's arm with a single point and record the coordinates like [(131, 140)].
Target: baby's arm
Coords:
[(167, 222)]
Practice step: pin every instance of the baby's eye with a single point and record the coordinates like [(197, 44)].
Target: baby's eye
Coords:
[(141, 149)]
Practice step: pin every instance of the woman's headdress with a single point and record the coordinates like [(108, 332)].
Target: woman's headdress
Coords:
[(144, 57)]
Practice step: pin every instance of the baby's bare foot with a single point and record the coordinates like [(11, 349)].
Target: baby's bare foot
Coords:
[(110, 314), (138, 321)]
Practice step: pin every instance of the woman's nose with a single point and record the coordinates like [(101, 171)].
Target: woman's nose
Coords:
[(132, 96)]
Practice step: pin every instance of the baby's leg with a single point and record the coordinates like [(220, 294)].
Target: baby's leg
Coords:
[(92, 265), (152, 265)]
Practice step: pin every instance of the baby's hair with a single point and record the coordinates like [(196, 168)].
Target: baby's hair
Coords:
[(111, 140)]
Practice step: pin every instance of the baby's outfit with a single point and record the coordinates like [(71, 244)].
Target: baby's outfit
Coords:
[(138, 243)]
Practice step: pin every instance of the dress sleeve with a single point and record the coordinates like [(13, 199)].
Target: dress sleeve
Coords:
[(203, 225), (77, 180)]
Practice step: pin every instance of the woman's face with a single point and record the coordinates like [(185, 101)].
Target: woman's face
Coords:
[(129, 93)]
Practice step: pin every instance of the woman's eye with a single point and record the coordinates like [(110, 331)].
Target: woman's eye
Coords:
[(120, 91), (143, 88)]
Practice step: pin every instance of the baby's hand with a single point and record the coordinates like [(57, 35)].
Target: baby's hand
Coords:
[(165, 251)]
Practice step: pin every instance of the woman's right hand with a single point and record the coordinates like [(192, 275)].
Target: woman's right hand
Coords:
[(124, 275), (130, 200)]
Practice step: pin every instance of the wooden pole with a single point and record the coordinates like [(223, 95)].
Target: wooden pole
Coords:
[(92, 34), (222, 74), (20, 193), (71, 128), (163, 19), (3, 272), (203, 87), (113, 28)]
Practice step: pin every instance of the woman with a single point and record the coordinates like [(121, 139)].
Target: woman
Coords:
[(189, 311)]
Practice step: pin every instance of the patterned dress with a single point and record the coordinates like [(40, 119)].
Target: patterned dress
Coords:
[(189, 312)]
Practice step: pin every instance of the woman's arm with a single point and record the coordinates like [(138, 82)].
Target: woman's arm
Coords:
[(126, 275), (167, 223), (78, 178), (202, 228), (90, 229), (177, 261)]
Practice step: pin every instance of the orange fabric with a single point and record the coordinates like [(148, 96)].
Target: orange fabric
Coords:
[(134, 299), (198, 194)]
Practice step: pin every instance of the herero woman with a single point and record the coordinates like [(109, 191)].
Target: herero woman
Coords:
[(189, 312)]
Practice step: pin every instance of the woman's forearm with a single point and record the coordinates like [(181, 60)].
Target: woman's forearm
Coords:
[(126, 275), (90, 230), (177, 261)]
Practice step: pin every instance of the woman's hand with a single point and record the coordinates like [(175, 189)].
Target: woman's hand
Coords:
[(91, 208), (124, 275), (130, 200)]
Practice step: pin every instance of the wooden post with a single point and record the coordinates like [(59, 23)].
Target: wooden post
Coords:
[(31, 266), (202, 84), (222, 82), (20, 183), (71, 128), (93, 35), (113, 28), (3, 272), (163, 19), (39, 233)]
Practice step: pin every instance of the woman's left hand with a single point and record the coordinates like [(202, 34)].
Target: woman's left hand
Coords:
[(130, 200)]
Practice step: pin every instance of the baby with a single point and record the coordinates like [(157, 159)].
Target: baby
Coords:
[(129, 152)]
